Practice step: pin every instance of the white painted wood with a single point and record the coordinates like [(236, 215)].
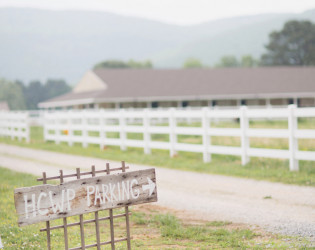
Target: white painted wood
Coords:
[(119, 121), (293, 143), (244, 123), (172, 134), (48, 202), (205, 136), (15, 124)]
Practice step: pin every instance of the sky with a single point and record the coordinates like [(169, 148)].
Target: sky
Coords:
[(182, 12)]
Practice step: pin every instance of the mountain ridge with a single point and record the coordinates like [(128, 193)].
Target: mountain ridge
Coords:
[(41, 44)]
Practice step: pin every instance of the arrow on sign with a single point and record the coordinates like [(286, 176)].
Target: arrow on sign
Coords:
[(149, 186)]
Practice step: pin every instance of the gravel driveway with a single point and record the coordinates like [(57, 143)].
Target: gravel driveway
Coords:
[(290, 210)]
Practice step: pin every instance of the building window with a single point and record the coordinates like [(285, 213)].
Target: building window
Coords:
[(184, 104), (243, 102), (155, 104)]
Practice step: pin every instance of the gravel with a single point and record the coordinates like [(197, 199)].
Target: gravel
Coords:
[(276, 207)]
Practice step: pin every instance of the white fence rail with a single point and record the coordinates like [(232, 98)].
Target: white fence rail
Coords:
[(78, 127), (14, 125)]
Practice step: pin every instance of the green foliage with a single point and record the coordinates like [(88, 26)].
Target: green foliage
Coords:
[(248, 61), (12, 93), (275, 170), (293, 45), (192, 63), (158, 231), (123, 65), (37, 92), (228, 61)]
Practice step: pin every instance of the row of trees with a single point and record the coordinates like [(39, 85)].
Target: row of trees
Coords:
[(294, 45), (123, 65), (228, 61), (20, 96)]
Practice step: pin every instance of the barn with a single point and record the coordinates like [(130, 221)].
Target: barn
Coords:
[(163, 88)]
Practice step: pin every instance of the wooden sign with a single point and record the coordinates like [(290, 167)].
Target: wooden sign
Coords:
[(49, 202)]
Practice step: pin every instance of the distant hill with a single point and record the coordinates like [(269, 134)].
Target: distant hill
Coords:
[(41, 44)]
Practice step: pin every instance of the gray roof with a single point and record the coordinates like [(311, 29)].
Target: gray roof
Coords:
[(172, 84)]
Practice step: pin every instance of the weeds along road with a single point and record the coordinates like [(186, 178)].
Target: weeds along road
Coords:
[(277, 207)]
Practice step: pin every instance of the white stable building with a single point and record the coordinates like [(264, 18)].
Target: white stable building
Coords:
[(141, 88)]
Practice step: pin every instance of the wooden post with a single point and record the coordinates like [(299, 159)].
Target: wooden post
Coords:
[(111, 219), (244, 123), (47, 222), (65, 228), (127, 213), (205, 136), (172, 134), (81, 220), (293, 141), (97, 227), (146, 133)]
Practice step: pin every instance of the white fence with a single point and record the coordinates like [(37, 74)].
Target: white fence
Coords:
[(79, 126), (14, 125)]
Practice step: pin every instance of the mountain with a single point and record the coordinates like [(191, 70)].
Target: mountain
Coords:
[(41, 44)]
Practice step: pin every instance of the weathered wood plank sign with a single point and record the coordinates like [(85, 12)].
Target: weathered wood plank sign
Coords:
[(49, 202)]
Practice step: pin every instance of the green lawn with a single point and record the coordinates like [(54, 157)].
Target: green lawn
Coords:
[(151, 227), (275, 170)]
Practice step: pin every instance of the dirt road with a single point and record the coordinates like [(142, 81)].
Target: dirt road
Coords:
[(289, 209)]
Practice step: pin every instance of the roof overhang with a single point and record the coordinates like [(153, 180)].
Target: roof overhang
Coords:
[(174, 98)]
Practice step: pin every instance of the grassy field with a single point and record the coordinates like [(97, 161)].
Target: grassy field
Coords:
[(275, 170), (151, 228)]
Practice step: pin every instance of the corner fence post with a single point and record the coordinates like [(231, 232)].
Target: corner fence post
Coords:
[(293, 141), (244, 123)]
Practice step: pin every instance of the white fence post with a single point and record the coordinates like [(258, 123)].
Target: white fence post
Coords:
[(205, 136), (102, 129), (293, 142), (27, 128), (57, 128), (172, 134), (70, 130), (122, 134), (244, 123), (45, 123), (146, 133), (84, 129)]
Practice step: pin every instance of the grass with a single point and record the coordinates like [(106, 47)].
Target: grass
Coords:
[(275, 170), (151, 228)]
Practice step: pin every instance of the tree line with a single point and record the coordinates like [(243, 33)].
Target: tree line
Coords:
[(20, 96), (294, 45)]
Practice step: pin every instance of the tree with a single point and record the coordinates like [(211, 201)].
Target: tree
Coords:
[(192, 63), (248, 61), (293, 45), (12, 93), (122, 65), (228, 61), (55, 87)]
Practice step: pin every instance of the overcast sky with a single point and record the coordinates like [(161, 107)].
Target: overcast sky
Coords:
[(172, 11)]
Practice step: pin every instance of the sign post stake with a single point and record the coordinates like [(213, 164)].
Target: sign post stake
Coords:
[(47, 222), (97, 227), (127, 213), (65, 226), (111, 220), (81, 219)]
